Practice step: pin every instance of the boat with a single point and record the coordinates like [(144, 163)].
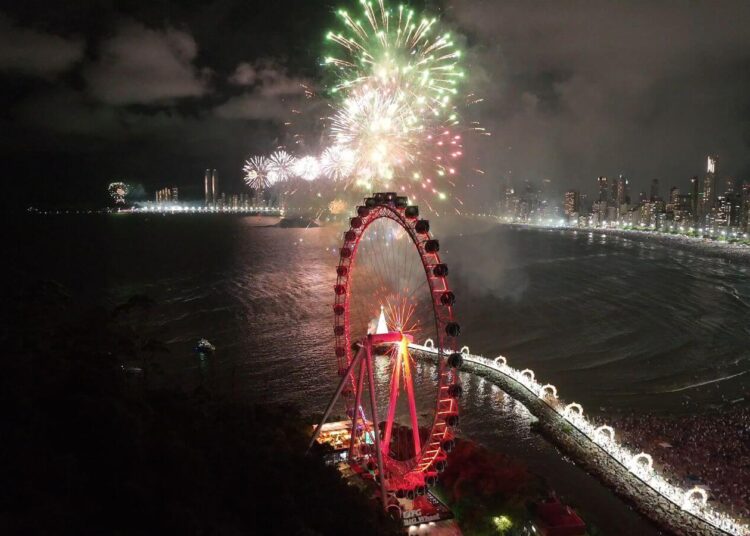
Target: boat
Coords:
[(204, 347)]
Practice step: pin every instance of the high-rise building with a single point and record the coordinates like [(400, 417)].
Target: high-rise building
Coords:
[(206, 186), (214, 187), (571, 204), (730, 185), (621, 196), (623, 191), (711, 164), (675, 208), (604, 192), (647, 214), (745, 219), (682, 210), (709, 191), (614, 196), (510, 202), (583, 203), (735, 209), (708, 203), (611, 217), (654, 190), (723, 211), (695, 199), (545, 189), (674, 196), (175, 196)]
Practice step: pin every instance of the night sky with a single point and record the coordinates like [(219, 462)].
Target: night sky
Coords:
[(154, 92)]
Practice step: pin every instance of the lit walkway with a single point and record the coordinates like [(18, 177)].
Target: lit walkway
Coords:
[(632, 475), (192, 209)]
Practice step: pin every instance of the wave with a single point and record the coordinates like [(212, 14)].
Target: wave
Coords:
[(707, 382)]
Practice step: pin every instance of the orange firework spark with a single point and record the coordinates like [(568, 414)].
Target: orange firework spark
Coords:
[(399, 313)]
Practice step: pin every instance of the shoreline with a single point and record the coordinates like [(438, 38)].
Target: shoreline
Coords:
[(595, 460), (708, 247)]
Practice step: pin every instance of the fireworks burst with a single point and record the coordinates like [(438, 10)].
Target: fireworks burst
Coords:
[(118, 191), (399, 314), (337, 206), (307, 168), (397, 76), (377, 125), (280, 165), (337, 163), (398, 49), (395, 114), (256, 172)]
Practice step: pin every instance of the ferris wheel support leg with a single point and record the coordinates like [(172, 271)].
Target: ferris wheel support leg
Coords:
[(395, 382), (334, 398), (412, 404), (376, 425), (356, 415)]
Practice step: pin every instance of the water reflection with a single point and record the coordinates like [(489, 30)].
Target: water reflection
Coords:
[(612, 322)]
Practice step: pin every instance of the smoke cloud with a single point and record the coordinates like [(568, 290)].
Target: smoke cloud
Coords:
[(141, 65), (31, 52), (578, 89)]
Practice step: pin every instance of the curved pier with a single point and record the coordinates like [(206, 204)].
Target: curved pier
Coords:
[(631, 475)]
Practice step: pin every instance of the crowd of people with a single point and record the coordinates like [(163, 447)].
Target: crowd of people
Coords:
[(710, 450)]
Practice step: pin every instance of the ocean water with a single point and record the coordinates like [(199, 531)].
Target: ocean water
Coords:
[(617, 324)]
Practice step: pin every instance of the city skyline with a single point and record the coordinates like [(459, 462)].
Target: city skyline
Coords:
[(712, 202), (210, 193)]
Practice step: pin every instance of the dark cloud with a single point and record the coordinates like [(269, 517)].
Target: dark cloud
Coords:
[(151, 92), (143, 65), (32, 52), (253, 105), (244, 75), (272, 94), (270, 78), (157, 91), (578, 89)]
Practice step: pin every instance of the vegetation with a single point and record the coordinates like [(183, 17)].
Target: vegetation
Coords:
[(487, 491), (87, 449)]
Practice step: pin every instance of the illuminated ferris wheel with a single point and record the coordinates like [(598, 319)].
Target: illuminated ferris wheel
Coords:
[(391, 290)]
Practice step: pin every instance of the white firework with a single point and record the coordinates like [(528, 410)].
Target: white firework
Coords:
[(337, 162), (256, 172), (307, 168), (280, 165), (381, 130), (118, 191)]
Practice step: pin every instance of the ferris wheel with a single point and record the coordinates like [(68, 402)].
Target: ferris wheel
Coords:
[(392, 289)]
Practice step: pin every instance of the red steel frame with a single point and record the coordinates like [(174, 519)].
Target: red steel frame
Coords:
[(409, 474), (401, 361)]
